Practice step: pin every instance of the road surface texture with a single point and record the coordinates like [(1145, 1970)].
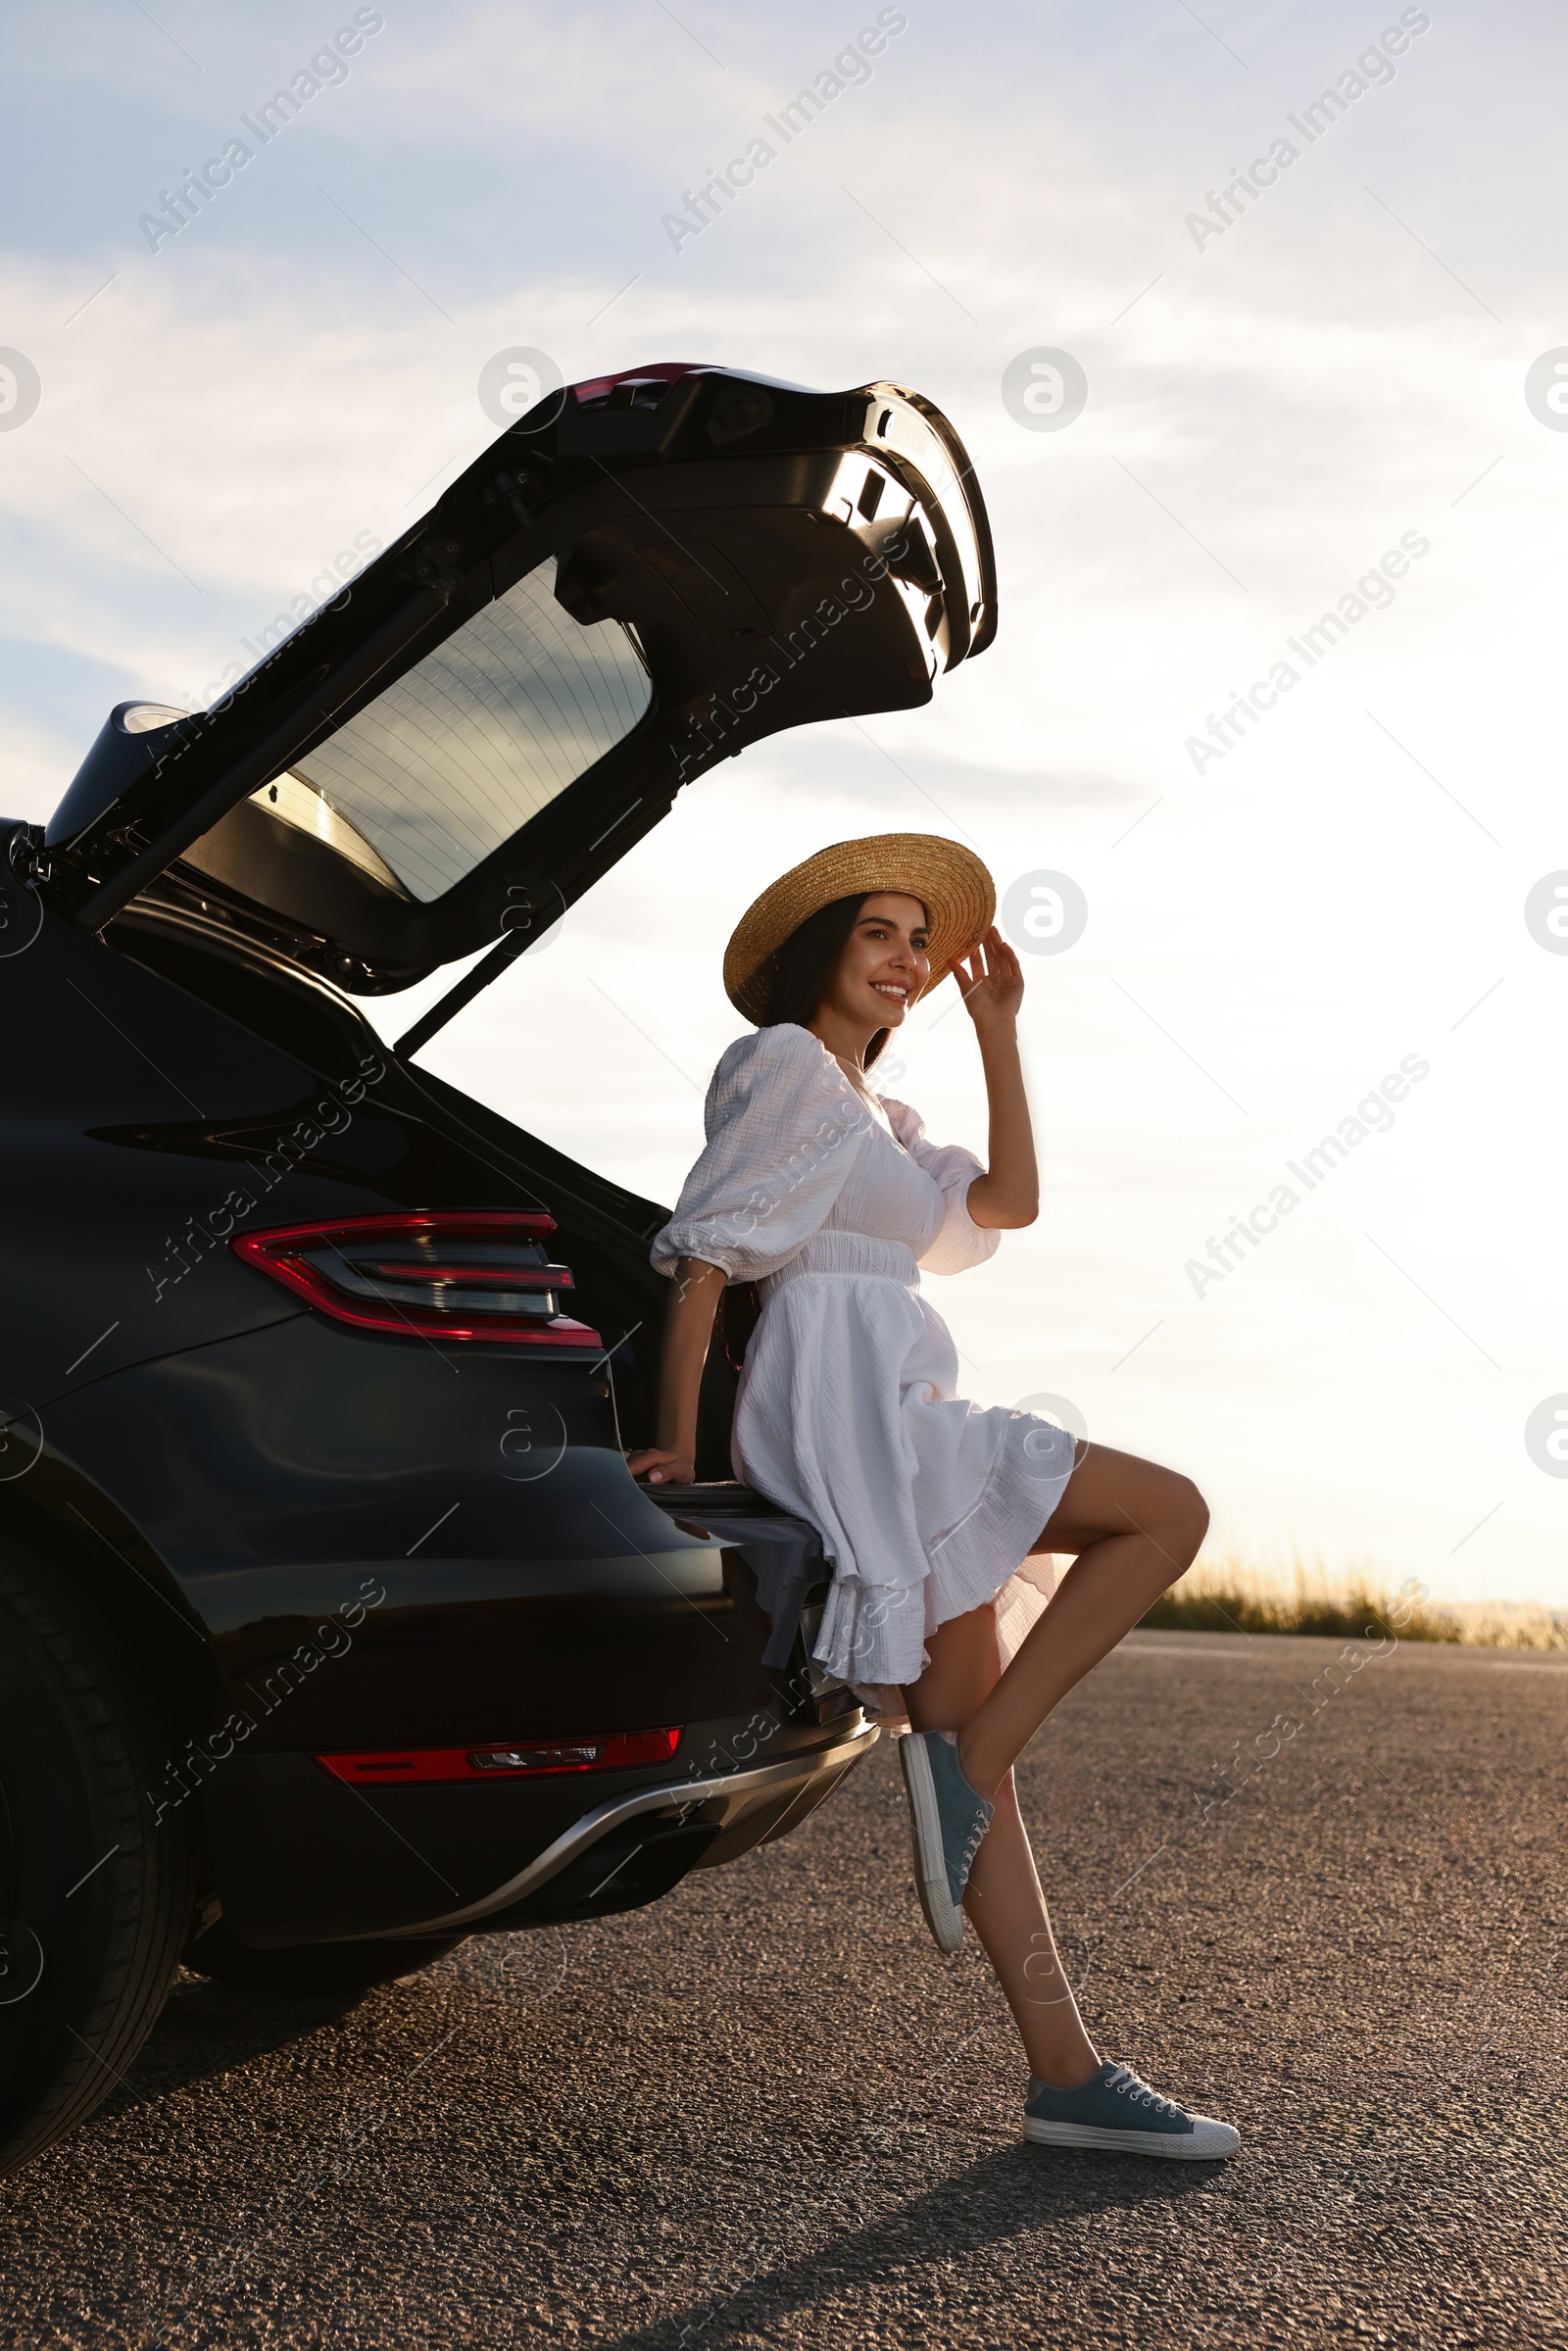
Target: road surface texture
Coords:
[(766, 2112)]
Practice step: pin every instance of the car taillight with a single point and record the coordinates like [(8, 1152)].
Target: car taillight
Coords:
[(612, 1751), (437, 1271), (638, 387)]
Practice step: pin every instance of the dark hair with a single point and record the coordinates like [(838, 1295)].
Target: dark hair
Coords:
[(800, 971)]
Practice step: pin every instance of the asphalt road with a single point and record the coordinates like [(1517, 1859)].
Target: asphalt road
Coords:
[(766, 2112)]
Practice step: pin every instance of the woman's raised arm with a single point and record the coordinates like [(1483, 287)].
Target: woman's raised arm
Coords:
[(1007, 1194)]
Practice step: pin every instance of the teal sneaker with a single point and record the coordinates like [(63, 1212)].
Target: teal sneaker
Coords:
[(1117, 2112), (949, 1819)]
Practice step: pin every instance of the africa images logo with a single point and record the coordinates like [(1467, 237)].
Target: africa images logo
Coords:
[(1373, 592), (850, 70), (1373, 1115), (190, 196), (20, 389), (1373, 69)]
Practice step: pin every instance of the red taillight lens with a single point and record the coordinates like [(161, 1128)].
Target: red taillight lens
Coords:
[(610, 1751), (439, 1271), (636, 387)]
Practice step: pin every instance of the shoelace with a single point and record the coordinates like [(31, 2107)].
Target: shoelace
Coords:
[(1128, 2084), (977, 1833), (976, 1836)]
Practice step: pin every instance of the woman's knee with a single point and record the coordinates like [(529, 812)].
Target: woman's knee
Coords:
[(1186, 1517), (1118, 1493)]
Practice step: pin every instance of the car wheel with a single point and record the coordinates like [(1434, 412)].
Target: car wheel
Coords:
[(314, 1967), (95, 1895)]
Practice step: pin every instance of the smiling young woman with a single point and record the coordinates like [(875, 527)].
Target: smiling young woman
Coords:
[(937, 1515)]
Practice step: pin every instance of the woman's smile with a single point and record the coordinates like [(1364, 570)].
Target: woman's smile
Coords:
[(883, 967)]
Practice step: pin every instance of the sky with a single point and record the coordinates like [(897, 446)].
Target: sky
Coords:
[(1331, 391)]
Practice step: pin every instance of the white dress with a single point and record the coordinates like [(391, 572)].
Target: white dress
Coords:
[(848, 1413)]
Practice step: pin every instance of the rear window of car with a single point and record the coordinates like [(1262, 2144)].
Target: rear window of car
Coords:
[(448, 763)]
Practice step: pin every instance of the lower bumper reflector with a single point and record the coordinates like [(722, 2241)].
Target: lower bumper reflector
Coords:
[(607, 1751)]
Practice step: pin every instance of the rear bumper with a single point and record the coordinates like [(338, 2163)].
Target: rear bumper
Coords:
[(302, 1857), (740, 1809)]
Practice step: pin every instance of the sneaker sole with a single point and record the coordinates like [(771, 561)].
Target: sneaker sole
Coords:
[(1211, 2143), (942, 1916)]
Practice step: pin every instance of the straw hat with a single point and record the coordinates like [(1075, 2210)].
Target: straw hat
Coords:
[(949, 881)]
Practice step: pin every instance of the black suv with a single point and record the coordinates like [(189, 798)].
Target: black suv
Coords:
[(332, 1627)]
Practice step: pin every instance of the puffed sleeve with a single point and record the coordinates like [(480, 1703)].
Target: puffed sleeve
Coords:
[(784, 1127), (961, 1242)]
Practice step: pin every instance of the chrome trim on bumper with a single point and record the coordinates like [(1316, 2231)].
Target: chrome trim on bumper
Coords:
[(721, 1801)]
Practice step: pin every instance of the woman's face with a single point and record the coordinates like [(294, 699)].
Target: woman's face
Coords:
[(884, 964)]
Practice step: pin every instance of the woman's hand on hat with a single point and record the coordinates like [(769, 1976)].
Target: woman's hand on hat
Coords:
[(991, 982), (662, 1468)]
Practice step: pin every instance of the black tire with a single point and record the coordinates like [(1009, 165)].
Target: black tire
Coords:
[(313, 1967), (95, 1897)]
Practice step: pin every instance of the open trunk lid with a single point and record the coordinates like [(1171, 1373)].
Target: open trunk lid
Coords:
[(642, 577)]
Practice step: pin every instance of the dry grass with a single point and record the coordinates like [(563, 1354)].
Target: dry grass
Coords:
[(1234, 1594)]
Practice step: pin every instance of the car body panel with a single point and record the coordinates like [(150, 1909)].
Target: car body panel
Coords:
[(117, 1253), (337, 1465)]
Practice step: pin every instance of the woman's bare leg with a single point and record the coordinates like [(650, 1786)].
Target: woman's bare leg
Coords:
[(1136, 1528), (1004, 1899)]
